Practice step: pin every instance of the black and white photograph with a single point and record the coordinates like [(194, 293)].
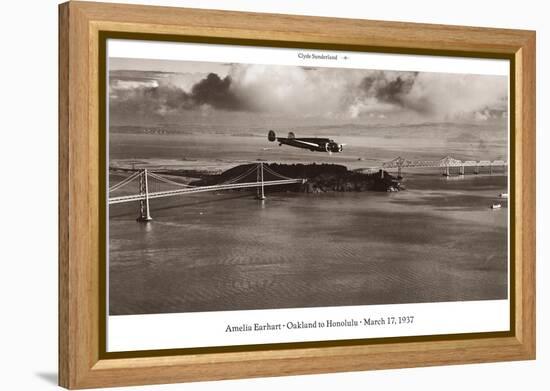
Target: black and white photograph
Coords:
[(243, 186), (275, 195)]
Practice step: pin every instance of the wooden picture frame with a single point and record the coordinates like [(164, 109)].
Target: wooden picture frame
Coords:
[(83, 362)]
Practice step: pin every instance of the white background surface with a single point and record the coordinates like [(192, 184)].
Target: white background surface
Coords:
[(184, 51), (28, 195), (199, 329)]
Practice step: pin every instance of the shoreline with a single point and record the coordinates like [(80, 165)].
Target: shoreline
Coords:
[(318, 178)]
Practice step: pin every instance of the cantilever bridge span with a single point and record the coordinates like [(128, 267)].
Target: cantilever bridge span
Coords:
[(445, 164), (153, 185)]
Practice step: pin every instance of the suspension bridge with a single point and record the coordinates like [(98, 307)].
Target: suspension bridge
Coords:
[(151, 185), (446, 164)]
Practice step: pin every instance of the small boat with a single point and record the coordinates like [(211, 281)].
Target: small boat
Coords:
[(503, 195), (496, 206)]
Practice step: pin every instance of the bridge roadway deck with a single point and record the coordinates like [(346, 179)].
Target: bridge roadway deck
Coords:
[(200, 189)]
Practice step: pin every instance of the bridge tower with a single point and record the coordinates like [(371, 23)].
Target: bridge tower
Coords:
[(260, 178), (144, 215)]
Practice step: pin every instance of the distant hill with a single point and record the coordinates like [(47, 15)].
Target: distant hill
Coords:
[(320, 178)]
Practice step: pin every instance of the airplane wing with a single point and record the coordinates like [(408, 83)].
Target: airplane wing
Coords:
[(296, 141)]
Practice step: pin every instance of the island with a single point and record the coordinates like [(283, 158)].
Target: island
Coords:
[(319, 178)]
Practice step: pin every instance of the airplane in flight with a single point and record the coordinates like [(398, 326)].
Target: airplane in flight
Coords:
[(312, 143)]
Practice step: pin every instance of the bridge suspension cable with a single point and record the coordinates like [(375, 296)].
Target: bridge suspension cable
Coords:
[(125, 181), (276, 174), (238, 178), (166, 180)]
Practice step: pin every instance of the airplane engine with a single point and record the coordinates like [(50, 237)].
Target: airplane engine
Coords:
[(271, 136), (333, 147)]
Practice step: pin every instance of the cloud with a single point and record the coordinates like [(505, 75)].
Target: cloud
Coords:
[(284, 90), (388, 88), (386, 92), (158, 98), (300, 92), (434, 96), (122, 84), (216, 92)]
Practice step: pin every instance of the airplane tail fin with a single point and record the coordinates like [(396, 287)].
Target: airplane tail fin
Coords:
[(271, 136)]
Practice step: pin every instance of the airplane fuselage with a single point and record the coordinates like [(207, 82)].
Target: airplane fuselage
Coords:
[(318, 144), (323, 144)]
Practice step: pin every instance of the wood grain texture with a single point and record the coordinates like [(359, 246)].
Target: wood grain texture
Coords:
[(526, 212), (80, 365), (63, 221)]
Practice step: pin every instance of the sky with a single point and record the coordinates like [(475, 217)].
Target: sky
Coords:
[(146, 92)]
